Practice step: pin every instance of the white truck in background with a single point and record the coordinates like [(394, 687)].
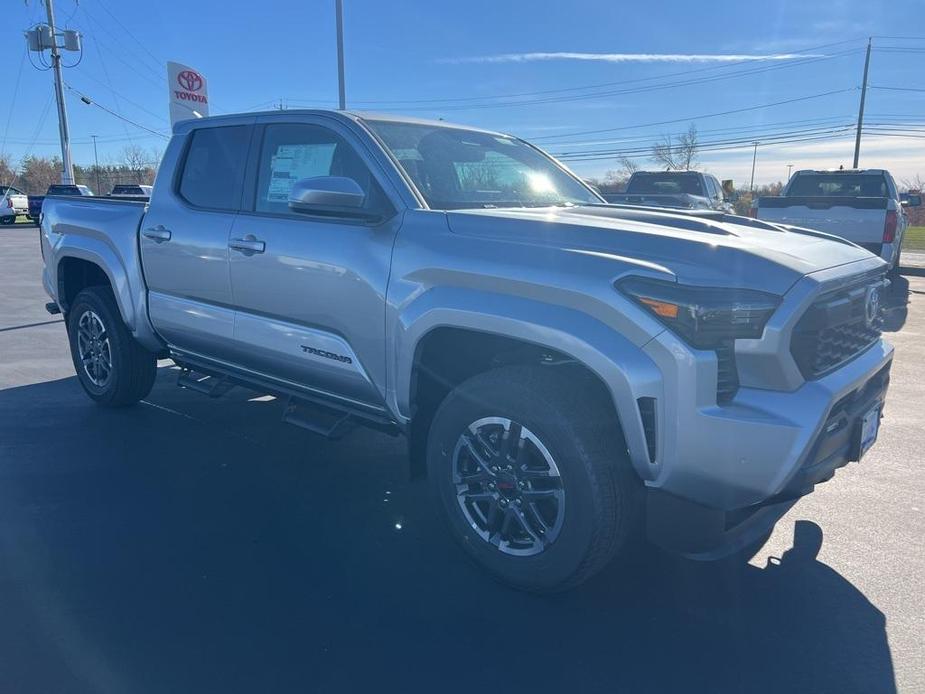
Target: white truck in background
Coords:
[(860, 205)]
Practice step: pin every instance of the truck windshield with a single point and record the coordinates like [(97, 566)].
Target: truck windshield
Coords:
[(454, 168), (667, 183), (838, 185)]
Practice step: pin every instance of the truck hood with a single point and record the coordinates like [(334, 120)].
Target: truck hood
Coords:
[(714, 249)]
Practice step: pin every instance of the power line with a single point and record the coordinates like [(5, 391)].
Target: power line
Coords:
[(9, 117), (699, 117), (899, 89), (828, 121), (716, 145), (158, 61), (87, 100)]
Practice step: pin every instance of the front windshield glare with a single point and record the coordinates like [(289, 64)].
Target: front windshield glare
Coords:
[(456, 169)]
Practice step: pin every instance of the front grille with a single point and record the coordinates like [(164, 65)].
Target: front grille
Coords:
[(835, 329), (727, 377)]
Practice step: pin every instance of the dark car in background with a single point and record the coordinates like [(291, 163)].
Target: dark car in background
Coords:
[(686, 190), (35, 201)]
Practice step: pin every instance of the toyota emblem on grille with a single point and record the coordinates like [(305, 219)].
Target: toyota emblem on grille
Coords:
[(872, 304)]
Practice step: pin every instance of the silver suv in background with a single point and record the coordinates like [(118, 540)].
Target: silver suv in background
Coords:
[(570, 375)]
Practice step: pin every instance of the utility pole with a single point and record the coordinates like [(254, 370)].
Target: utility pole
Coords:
[(857, 141), (341, 91), (46, 37), (96, 160), (751, 186), (67, 175), (789, 169)]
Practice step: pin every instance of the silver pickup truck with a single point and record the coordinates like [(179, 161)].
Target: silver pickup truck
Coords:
[(569, 375)]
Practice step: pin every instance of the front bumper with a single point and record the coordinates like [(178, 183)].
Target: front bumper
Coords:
[(709, 531)]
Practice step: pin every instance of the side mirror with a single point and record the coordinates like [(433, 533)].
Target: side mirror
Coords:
[(326, 195), (911, 199)]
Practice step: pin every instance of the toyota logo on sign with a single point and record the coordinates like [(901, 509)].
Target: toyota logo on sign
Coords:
[(189, 80)]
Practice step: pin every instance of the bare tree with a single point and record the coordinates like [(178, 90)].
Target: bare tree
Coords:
[(677, 153), (38, 173), (135, 159), (914, 183), (7, 173)]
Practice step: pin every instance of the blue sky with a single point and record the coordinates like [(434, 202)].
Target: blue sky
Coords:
[(655, 62)]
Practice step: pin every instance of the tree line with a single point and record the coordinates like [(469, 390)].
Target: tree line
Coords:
[(34, 174)]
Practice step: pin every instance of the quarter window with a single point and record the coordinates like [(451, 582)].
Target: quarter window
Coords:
[(214, 167)]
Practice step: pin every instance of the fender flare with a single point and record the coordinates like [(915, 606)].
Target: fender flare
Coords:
[(624, 368), (129, 295)]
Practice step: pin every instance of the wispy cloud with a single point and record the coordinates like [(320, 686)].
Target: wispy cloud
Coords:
[(630, 57)]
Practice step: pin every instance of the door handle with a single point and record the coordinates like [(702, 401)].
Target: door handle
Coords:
[(158, 233), (248, 245)]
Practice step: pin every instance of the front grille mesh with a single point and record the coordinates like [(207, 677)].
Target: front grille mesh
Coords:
[(727, 377), (834, 330)]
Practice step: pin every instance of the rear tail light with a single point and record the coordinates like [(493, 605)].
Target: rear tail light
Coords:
[(889, 226)]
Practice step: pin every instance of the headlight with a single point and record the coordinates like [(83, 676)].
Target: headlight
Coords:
[(703, 316)]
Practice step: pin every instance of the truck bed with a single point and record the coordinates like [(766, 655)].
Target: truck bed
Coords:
[(858, 219)]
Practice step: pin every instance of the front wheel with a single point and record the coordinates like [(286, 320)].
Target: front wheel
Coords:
[(112, 367), (533, 477)]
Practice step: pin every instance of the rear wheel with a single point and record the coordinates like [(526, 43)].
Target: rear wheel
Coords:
[(113, 368), (532, 476)]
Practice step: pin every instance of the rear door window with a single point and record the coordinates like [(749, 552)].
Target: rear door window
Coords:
[(213, 171)]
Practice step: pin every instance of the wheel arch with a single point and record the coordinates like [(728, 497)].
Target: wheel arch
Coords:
[(473, 333), (83, 267)]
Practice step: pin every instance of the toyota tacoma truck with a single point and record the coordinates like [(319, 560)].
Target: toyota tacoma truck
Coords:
[(570, 375), (686, 190), (861, 205)]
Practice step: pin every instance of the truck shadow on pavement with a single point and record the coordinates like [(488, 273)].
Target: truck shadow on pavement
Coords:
[(896, 304), (192, 546)]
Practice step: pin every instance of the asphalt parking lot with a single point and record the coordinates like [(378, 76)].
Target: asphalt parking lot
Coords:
[(191, 545)]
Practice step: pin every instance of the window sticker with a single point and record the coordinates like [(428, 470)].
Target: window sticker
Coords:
[(293, 162)]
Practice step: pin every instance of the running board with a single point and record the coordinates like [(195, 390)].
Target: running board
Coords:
[(213, 386), (319, 419)]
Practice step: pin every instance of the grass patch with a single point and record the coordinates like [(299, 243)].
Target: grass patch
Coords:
[(914, 239)]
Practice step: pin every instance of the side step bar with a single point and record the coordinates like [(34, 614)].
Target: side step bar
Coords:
[(321, 416), (318, 419), (213, 386)]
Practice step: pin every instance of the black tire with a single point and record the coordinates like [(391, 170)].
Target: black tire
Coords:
[(897, 266), (573, 419), (133, 368)]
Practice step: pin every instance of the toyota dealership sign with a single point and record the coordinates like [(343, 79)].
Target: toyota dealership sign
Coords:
[(189, 96)]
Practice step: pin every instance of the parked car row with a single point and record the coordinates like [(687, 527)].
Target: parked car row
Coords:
[(15, 203), (863, 206)]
